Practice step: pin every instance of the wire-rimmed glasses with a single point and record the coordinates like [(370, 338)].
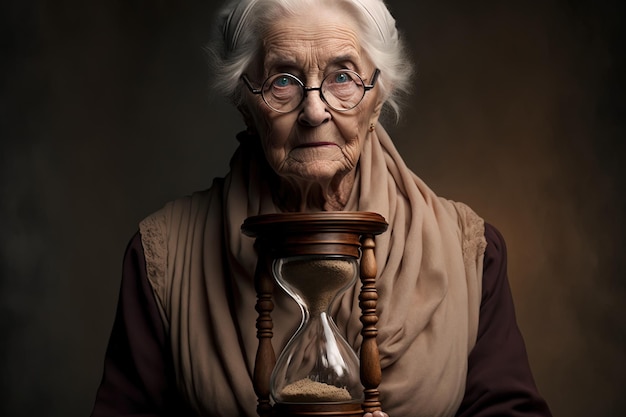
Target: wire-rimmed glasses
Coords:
[(341, 90)]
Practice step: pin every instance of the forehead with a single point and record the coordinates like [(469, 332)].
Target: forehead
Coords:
[(312, 41)]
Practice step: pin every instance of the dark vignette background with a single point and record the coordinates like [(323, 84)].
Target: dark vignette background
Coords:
[(105, 114)]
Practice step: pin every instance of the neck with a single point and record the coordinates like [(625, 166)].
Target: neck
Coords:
[(298, 195)]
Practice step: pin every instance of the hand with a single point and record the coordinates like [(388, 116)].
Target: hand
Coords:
[(376, 414)]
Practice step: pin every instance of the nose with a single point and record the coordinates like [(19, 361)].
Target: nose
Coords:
[(314, 110)]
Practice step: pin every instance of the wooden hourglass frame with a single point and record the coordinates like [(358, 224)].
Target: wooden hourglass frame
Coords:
[(349, 234)]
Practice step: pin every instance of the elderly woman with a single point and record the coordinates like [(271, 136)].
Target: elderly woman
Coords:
[(311, 79)]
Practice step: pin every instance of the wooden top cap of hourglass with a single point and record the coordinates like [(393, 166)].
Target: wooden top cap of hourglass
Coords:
[(319, 233)]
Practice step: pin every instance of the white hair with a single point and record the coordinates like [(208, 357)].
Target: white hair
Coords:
[(241, 23)]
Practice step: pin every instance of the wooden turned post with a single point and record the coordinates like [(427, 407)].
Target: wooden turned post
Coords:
[(265, 357), (371, 373)]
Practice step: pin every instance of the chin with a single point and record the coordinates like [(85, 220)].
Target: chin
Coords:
[(316, 171)]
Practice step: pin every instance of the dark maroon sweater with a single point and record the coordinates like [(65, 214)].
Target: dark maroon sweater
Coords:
[(139, 378)]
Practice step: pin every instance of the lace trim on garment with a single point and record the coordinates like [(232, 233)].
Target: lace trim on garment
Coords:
[(473, 229), (152, 230)]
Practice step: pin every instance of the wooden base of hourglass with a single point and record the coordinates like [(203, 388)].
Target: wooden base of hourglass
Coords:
[(322, 233)]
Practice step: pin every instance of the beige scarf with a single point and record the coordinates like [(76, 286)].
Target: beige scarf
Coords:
[(430, 271)]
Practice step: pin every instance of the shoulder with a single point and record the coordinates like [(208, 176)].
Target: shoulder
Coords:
[(470, 230), (173, 223), (495, 277), (180, 210), (470, 227), (495, 241)]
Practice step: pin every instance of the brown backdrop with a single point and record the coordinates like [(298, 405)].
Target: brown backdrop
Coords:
[(518, 110)]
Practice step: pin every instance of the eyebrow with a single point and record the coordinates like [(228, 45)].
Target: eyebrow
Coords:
[(290, 63), (343, 58)]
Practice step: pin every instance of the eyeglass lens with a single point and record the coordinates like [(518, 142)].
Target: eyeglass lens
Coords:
[(342, 90)]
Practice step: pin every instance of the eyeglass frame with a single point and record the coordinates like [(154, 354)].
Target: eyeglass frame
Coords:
[(305, 89)]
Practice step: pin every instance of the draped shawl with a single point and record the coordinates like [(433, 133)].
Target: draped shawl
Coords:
[(201, 269)]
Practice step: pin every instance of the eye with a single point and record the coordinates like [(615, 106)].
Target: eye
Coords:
[(282, 82), (342, 77), (281, 89)]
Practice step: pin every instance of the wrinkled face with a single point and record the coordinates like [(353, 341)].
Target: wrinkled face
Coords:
[(313, 142)]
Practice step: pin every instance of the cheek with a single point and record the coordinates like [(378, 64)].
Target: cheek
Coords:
[(276, 131), (266, 121), (354, 128)]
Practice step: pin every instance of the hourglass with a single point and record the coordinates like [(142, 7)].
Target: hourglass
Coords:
[(314, 257)]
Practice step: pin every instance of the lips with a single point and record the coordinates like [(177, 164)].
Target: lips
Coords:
[(316, 144)]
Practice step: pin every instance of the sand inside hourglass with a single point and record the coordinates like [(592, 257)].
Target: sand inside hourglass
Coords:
[(317, 281), (307, 390)]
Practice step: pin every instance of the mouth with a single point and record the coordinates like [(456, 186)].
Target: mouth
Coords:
[(316, 144)]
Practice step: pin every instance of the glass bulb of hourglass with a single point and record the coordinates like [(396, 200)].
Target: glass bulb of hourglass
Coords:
[(317, 365)]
